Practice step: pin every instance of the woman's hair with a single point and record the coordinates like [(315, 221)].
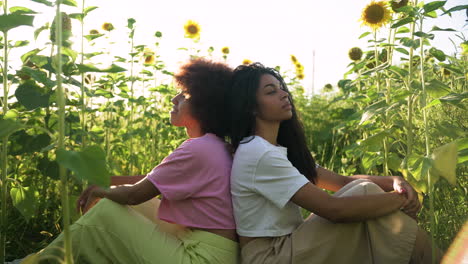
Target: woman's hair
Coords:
[(241, 103), (206, 83)]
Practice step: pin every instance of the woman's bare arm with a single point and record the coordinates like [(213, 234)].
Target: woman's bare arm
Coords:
[(137, 193), (346, 209)]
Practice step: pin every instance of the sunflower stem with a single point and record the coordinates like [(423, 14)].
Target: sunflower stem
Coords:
[(83, 94), (4, 159), (61, 137), (132, 82), (426, 139), (409, 138)]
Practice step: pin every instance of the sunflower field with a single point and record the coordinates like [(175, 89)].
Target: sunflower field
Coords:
[(75, 115)]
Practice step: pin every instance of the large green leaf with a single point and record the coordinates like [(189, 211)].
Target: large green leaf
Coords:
[(373, 110), (89, 164), (455, 8), (31, 96), (91, 68), (21, 10), (39, 76), (436, 88), (445, 161), (10, 21), (402, 22), (432, 6), (7, 127), (437, 53), (419, 166), (24, 200), (462, 150)]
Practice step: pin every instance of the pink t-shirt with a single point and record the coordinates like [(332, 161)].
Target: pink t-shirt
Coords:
[(194, 181)]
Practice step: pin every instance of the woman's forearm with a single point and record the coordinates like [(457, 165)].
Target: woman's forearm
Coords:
[(134, 194), (359, 208)]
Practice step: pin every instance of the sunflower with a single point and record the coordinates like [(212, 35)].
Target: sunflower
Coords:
[(107, 26), (398, 4), (299, 66), (246, 62), (355, 54), (376, 14), (148, 55), (192, 30), (225, 50), (300, 75), (293, 59)]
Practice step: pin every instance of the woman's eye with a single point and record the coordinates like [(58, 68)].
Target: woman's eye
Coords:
[(271, 92)]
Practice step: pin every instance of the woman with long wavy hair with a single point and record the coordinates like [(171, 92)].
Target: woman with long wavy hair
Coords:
[(369, 219)]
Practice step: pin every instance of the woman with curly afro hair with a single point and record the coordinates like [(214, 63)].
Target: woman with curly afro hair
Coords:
[(193, 181)]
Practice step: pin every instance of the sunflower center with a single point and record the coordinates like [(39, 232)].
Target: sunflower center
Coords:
[(374, 14), (192, 29)]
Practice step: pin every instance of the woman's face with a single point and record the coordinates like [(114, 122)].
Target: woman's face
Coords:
[(273, 103), (181, 114)]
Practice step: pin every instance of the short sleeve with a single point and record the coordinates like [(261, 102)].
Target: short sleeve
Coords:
[(173, 176), (277, 179)]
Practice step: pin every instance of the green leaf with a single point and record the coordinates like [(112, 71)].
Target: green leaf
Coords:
[(419, 166), (453, 68), (402, 73), (89, 9), (402, 30), (91, 68), (10, 21), (45, 2), (30, 95), (364, 34), (436, 88), (39, 30), (445, 161), (437, 53), (69, 2), (89, 164), (39, 76), (375, 140), (462, 150), (20, 43), (77, 16), (402, 22), (432, 14), (158, 34), (424, 35), (24, 200), (456, 8), (402, 50), (8, 126), (436, 28), (432, 6), (372, 110), (21, 10), (407, 42), (93, 36)]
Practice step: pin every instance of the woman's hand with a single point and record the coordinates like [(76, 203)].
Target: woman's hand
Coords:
[(412, 205), (86, 199)]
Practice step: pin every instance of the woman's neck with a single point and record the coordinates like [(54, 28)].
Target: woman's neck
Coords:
[(194, 131), (267, 130)]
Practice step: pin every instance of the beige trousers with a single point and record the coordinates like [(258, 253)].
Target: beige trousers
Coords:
[(387, 239)]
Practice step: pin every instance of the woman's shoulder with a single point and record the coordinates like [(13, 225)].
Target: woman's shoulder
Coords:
[(208, 144)]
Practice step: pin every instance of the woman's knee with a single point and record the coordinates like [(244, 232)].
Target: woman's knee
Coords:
[(361, 187)]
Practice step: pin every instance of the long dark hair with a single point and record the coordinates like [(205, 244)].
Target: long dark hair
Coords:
[(241, 103)]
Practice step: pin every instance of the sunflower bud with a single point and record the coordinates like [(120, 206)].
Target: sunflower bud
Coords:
[(398, 4), (225, 50), (355, 54), (327, 88), (93, 32), (107, 26), (66, 30)]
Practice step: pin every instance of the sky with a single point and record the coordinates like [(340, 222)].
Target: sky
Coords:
[(268, 31)]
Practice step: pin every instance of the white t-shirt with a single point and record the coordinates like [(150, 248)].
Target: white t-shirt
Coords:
[(263, 181)]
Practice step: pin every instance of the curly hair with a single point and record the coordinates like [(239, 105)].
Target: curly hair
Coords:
[(241, 103), (206, 83)]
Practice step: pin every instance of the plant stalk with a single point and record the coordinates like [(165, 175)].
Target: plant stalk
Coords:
[(4, 190), (61, 137)]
